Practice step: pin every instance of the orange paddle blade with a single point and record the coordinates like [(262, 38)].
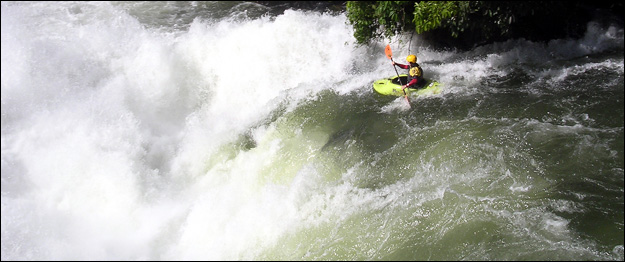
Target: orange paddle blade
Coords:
[(388, 51)]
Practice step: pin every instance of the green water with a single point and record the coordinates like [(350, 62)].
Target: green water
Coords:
[(235, 131)]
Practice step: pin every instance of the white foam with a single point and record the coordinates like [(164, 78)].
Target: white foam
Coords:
[(119, 140)]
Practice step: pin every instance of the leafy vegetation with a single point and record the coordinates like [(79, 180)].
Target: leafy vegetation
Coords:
[(469, 23)]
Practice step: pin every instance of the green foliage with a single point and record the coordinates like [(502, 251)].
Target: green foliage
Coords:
[(377, 19), (430, 15), (477, 21), (360, 15), (457, 17)]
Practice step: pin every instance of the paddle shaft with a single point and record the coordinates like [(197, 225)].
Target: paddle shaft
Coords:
[(398, 78), (389, 54)]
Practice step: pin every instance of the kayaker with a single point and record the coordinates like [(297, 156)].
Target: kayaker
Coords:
[(415, 73)]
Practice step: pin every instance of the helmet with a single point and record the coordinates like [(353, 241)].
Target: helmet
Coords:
[(411, 58)]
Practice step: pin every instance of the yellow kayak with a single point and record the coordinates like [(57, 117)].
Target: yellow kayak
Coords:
[(391, 86)]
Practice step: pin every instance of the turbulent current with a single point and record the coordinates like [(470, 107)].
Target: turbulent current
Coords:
[(232, 131)]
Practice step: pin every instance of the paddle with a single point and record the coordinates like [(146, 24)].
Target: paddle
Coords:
[(389, 54)]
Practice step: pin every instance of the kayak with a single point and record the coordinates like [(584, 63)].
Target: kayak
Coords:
[(391, 86)]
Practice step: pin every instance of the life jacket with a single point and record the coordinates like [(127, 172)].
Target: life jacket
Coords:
[(416, 72)]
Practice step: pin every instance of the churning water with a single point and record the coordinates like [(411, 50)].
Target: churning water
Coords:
[(221, 131)]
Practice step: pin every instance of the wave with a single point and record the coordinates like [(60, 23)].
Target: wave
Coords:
[(152, 130)]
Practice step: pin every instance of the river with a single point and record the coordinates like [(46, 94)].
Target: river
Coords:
[(231, 131)]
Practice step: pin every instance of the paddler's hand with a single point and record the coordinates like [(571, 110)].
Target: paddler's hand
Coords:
[(403, 87)]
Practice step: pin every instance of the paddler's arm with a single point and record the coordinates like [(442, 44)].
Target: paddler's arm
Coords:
[(402, 66), (412, 82)]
